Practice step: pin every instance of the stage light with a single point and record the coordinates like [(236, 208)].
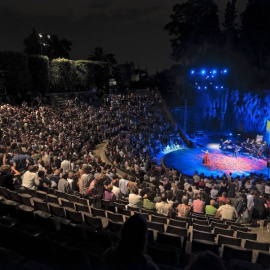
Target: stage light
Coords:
[(213, 76), (214, 71), (225, 71), (230, 134), (192, 72), (40, 35), (199, 87), (216, 87), (221, 87), (196, 83), (205, 87), (203, 71)]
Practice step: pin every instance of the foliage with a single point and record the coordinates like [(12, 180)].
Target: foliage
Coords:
[(194, 26), (101, 56), (255, 38), (15, 67), (230, 24), (39, 69), (63, 75), (49, 45)]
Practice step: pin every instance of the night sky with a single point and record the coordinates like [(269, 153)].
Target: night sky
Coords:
[(132, 30)]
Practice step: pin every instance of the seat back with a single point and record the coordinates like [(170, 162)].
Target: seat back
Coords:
[(177, 231), (57, 210), (60, 194), (223, 231), (94, 222), (200, 222), (26, 199), (170, 240), (264, 259), (156, 226), (158, 219), (233, 252), (218, 225), (199, 245), (41, 195), (176, 223), (255, 245), (239, 228), (39, 205), (66, 203), (98, 212), (74, 216), (115, 217), (82, 208), (246, 235), (120, 205), (14, 196), (5, 192), (229, 240), (114, 226), (124, 212), (197, 235), (83, 201), (71, 198), (201, 228), (187, 220), (52, 198)]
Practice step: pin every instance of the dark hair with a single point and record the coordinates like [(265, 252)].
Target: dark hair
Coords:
[(41, 174), (206, 261)]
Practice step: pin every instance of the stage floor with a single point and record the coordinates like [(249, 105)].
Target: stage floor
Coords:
[(189, 160)]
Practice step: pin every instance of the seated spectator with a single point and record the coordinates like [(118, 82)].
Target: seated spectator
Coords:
[(223, 199), (43, 183), (129, 254), (75, 183), (29, 178), (183, 210), (163, 207), (63, 184), (211, 209), (227, 211), (135, 200), (6, 176), (214, 192), (116, 189), (148, 202), (108, 195), (123, 185), (198, 205)]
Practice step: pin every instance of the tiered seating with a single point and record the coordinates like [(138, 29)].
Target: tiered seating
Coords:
[(78, 219)]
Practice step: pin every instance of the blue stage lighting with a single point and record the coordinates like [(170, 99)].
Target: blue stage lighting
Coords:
[(203, 71), (221, 87), (192, 72), (199, 87), (225, 71), (213, 76), (216, 87), (230, 134), (205, 87), (214, 71)]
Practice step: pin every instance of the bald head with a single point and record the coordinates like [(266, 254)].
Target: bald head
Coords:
[(212, 202)]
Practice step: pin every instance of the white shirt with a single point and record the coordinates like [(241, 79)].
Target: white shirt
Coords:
[(227, 211), (116, 192), (134, 200), (267, 189), (29, 180), (65, 165)]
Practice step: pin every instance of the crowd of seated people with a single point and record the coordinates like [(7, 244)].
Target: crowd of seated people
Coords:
[(52, 147)]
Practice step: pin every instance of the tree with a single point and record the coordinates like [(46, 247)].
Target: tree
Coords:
[(194, 27), (101, 56), (255, 28), (49, 45), (230, 24)]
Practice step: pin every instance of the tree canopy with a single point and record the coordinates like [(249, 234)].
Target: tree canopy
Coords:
[(49, 45), (98, 54), (194, 26)]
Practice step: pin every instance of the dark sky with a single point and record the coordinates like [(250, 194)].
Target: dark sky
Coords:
[(131, 29)]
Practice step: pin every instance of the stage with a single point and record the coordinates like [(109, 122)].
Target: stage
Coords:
[(189, 160)]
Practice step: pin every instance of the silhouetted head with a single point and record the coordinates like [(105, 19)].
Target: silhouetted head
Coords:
[(134, 234), (206, 261)]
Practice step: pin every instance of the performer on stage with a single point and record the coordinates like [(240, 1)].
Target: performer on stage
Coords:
[(206, 159)]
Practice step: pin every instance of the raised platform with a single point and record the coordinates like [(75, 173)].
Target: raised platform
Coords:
[(189, 160)]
